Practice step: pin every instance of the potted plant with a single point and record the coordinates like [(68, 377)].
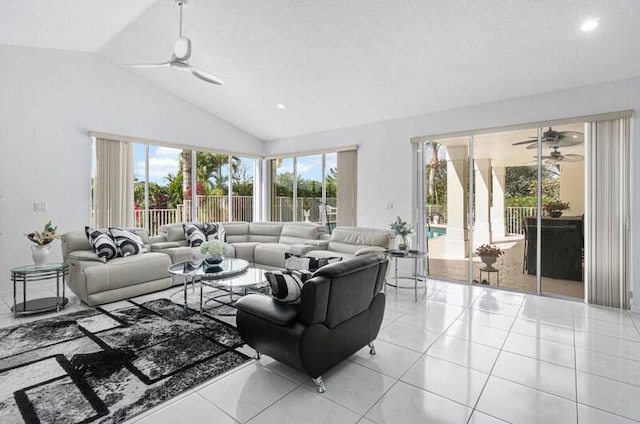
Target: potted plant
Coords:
[(213, 251), (42, 240), (306, 208), (555, 208), (403, 230), (489, 254)]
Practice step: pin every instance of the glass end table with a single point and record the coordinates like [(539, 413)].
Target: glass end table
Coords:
[(31, 273), (416, 256)]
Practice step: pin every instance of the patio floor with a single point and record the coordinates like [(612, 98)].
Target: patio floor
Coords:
[(509, 265)]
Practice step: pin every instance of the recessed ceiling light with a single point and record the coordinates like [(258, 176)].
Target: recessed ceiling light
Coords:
[(590, 24), (281, 106)]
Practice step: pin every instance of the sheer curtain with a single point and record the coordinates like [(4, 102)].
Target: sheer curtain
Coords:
[(607, 219), (347, 188), (113, 191)]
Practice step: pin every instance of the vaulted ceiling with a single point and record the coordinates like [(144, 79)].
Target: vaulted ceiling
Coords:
[(337, 63)]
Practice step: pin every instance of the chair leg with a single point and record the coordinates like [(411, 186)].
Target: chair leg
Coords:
[(320, 387), (372, 348)]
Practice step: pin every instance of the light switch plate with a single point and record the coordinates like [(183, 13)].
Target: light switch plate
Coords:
[(40, 206)]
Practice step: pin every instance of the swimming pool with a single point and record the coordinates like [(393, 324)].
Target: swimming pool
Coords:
[(436, 232)]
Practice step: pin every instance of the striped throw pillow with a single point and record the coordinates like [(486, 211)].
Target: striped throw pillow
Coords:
[(128, 243), (286, 288), (102, 243), (194, 234)]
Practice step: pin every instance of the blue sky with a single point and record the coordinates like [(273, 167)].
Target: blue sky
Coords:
[(309, 167), (164, 161)]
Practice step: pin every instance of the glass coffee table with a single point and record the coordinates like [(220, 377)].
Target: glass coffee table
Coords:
[(230, 274)]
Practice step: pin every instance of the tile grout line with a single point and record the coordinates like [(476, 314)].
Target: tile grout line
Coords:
[(475, 406)]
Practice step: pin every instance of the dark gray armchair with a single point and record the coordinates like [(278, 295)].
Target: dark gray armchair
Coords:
[(340, 311)]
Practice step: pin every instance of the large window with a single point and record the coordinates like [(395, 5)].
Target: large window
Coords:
[(304, 188), (163, 192)]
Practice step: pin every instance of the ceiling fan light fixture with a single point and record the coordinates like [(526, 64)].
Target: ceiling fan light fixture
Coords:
[(590, 24)]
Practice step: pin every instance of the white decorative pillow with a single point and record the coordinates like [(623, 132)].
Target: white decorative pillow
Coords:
[(194, 234), (285, 287), (293, 261), (102, 243), (128, 243)]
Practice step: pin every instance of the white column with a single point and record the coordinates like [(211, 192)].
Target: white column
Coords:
[(456, 243), (572, 187), (482, 230), (498, 225)]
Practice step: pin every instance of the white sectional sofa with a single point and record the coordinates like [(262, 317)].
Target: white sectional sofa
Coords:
[(263, 244)]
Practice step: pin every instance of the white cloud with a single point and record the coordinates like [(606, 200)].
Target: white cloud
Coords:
[(162, 162)]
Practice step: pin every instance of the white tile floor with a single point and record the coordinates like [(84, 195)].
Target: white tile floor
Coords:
[(460, 354)]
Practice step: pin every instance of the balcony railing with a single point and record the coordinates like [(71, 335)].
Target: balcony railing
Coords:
[(216, 209), (282, 208), (514, 218)]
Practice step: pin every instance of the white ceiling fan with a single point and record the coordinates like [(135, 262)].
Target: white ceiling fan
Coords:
[(180, 57), (556, 157)]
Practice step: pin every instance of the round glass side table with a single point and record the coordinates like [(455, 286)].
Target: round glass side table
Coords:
[(30, 273), (416, 256)]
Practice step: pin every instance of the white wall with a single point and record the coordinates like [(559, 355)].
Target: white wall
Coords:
[(384, 163), (49, 101)]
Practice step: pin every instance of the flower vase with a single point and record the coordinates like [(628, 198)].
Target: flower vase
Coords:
[(213, 260), (40, 254), (555, 214), (404, 243), (489, 260)]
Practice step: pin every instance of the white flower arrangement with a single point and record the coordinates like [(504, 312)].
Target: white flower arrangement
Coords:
[(213, 248), (402, 228)]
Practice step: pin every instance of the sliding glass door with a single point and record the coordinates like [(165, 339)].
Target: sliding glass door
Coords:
[(506, 209), (447, 200)]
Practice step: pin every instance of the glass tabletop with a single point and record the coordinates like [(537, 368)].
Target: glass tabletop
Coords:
[(229, 267), (413, 254), (33, 269)]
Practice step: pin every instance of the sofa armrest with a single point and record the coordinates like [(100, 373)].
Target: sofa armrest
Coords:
[(369, 249), (157, 247), (322, 244), (84, 255), (160, 238), (266, 307)]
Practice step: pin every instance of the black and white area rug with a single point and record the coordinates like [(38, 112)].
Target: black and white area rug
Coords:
[(105, 367)]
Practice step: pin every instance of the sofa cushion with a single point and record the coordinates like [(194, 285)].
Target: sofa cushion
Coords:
[(236, 232), (129, 244), (311, 263), (127, 271), (298, 233), (102, 243), (265, 232), (194, 234), (351, 239), (286, 286)]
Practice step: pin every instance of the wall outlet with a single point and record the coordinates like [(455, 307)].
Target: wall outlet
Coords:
[(389, 205), (40, 206)]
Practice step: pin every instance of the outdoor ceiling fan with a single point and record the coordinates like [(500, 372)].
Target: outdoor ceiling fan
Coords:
[(556, 157), (180, 57), (551, 138)]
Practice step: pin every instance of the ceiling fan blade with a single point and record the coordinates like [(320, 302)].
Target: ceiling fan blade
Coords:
[(205, 76), (150, 65), (524, 142), (573, 158)]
